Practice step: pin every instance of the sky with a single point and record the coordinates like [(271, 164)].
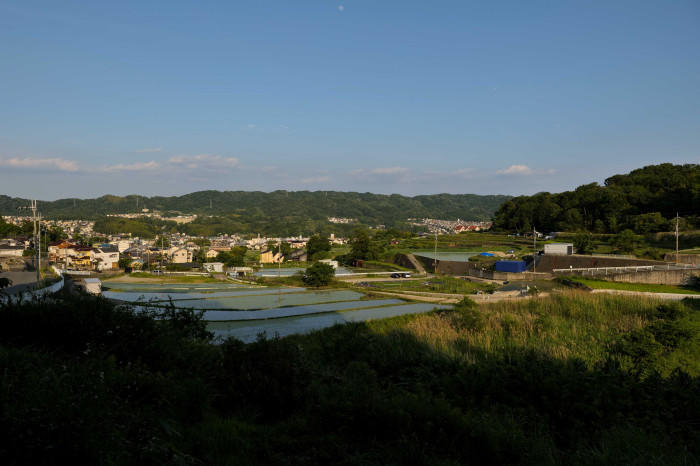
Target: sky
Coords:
[(408, 97)]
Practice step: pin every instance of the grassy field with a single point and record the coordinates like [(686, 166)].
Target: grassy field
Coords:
[(651, 288)]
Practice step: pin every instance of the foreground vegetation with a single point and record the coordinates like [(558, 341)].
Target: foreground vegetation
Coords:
[(572, 379)]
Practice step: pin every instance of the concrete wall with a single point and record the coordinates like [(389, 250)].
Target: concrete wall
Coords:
[(658, 277), (547, 263), (683, 258)]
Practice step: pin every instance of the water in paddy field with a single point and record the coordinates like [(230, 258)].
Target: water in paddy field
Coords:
[(289, 271), (447, 256), (269, 300), (244, 311), (247, 331), (276, 313)]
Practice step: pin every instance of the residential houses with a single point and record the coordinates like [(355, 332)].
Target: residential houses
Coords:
[(11, 251), (271, 257)]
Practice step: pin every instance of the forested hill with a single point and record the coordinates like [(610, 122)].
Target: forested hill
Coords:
[(253, 206), (644, 200)]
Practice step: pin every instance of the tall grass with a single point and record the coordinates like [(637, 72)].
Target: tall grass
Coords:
[(565, 325)]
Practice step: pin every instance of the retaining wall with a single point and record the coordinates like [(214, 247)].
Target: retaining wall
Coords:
[(683, 258), (547, 263), (658, 277)]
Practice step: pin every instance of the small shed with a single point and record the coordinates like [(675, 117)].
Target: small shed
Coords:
[(217, 267), (559, 249), (93, 285), (240, 272), (510, 266)]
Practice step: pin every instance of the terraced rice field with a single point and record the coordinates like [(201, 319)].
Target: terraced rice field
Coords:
[(245, 311)]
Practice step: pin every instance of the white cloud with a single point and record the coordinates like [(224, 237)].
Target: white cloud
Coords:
[(316, 179), (341, 8), (389, 171), (148, 150), (132, 167), (516, 170), (204, 161), (53, 163)]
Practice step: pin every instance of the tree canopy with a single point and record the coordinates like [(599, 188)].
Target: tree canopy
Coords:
[(319, 274), (317, 246), (644, 200)]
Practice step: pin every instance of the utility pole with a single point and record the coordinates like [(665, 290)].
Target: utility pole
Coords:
[(37, 246), (534, 248), (435, 266), (279, 261), (38, 251), (677, 238)]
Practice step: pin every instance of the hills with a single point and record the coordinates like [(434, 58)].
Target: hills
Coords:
[(304, 211)]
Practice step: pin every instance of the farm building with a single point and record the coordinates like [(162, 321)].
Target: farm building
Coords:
[(559, 249)]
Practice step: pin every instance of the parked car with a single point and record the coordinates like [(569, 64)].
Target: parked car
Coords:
[(395, 275), (406, 275)]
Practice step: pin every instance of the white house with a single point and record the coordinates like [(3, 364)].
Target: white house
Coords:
[(105, 258)]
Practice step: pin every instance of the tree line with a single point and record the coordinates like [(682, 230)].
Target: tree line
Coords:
[(646, 200)]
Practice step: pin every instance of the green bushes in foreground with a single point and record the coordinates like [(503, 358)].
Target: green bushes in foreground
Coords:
[(573, 379)]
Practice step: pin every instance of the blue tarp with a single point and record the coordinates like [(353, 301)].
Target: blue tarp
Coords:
[(486, 254), (510, 266)]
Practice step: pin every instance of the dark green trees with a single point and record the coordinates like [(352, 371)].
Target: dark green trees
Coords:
[(319, 274), (583, 242), (643, 200), (233, 258), (317, 247)]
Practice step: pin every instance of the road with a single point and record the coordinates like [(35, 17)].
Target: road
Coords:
[(20, 281)]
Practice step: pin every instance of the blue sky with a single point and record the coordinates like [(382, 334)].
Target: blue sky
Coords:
[(409, 97)]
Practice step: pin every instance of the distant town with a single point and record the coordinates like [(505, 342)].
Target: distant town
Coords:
[(81, 248)]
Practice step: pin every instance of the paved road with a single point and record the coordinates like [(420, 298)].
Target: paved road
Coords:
[(20, 281)]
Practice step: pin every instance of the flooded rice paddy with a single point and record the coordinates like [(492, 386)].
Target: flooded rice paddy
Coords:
[(244, 311), (249, 331)]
